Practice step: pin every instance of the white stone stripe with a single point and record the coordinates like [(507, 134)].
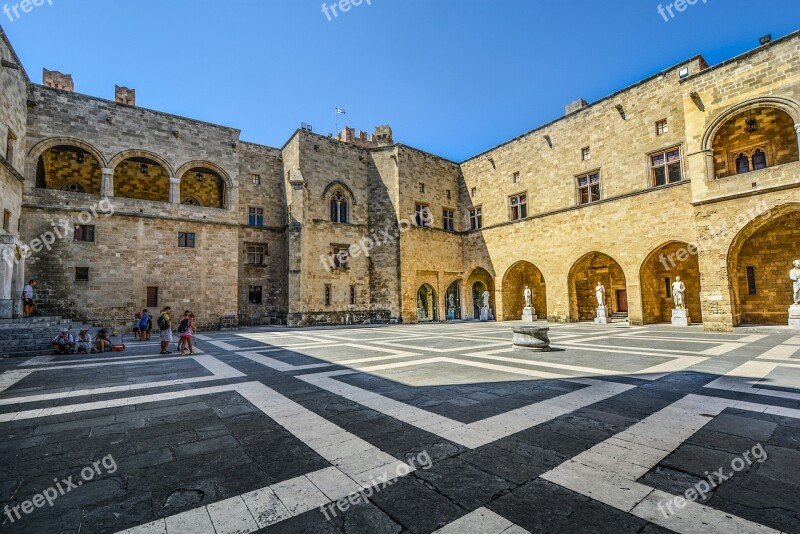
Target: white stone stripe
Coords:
[(484, 521), (745, 377), (780, 352), (724, 348), (752, 338), (9, 378), (121, 359), (38, 360)]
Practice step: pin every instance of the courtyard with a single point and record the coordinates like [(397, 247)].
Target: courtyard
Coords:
[(409, 428)]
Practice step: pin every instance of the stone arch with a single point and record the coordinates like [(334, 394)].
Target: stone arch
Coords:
[(452, 301), (146, 154), (142, 175), (339, 184), (521, 274), (759, 260), (478, 277), (583, 277), (427, 304), (39, 148), (787, 105), (657, 274), (211, 190), (59, 161)]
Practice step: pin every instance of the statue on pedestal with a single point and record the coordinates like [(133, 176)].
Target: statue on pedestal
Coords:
[(794, 275), (486, 296), (528, 297), (678, 292), (600, 292)]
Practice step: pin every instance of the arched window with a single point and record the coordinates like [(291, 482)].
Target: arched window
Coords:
[(73, 187), (338, 208), (742, 164), (191, 202), (759, 160)]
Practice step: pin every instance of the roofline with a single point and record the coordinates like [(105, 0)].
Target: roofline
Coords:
[(14, 55), (593, 104)]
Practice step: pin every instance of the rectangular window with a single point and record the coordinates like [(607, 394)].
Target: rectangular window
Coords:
[(256, 179), (421, 187), (662, 127), (668, 285), (476, 218), (751, 280), (422, 217), (84, 233), (81, 274), (328, 297), (341, 256), (586, 153), (7, 221), (186, 239), (256, 254), (519, 207), (10, 142), (449, 220), (516, 178), (665, 167), (352, 295), (589, 188), (448, 194), (255, 295), (474, 192), (255, 216), (152, 297)]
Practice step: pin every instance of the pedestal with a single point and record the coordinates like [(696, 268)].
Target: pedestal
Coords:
[(531, 338), (681, 318), (794, 317), (602, 316), (486, 314), (451, 314), (529, 315)]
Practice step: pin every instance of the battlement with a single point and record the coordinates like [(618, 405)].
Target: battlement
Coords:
[(124, 95), (381, 137), (58, 80)]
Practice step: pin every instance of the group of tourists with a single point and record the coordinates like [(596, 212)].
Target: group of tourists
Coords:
[(66, 343), (186, 328)]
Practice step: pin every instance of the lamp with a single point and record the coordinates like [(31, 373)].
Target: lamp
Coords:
[(752, 124), (144, 168), (79, 157), (199, 177)]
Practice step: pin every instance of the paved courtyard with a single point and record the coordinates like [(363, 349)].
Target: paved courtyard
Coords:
[(390, 429)]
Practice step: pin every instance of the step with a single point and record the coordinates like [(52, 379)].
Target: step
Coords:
[(27, 353), (34, 319), (27, 326)]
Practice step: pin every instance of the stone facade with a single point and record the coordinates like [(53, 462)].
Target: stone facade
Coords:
[(692, 172)]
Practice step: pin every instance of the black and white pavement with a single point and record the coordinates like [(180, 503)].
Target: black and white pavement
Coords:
[(408, 428)]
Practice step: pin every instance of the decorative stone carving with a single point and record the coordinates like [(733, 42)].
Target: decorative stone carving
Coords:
[(531, 338)]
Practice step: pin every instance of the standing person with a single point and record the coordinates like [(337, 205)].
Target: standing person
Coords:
[(165, 325), (186, 330), (27, 297), (137, 329), (183, 327), (145, 326)]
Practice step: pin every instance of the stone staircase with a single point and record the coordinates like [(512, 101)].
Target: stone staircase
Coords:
[(32, 336)]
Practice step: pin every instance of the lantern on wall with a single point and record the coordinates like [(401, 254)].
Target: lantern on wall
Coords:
[(752, 124)]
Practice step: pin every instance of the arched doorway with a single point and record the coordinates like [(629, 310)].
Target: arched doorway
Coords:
[(592, 268), (759, 261), (518, 276), (452, 301), (426, 304), (69, 168), (478, 282), (657, 275)]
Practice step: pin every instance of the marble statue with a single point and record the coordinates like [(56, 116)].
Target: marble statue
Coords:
[(600, 292), (794, 275), (451, 300), (486, 296), (678, 291), (528, 297)]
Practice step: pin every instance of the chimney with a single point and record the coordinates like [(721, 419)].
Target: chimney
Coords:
[(576, 106), (126, 96), (57, 80)]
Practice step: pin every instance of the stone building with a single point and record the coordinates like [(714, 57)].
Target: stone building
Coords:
[(692, 172)]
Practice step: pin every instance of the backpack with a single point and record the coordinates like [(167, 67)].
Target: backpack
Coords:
[(143, 322), (184, 326), (163, 324)]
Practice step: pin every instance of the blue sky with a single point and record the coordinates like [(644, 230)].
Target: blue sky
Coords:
[(451, 77)]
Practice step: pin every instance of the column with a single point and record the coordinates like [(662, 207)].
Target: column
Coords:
[(174, 190), (797, 129), (107, 183), (8, 261)]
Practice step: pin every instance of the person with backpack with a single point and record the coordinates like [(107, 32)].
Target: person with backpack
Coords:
[(185, 329), (165, 325), (145, 326)]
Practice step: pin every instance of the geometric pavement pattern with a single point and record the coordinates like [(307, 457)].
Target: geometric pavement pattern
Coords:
[(410, 428)]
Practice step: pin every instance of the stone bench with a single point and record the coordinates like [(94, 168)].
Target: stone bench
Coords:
[(533, 338)]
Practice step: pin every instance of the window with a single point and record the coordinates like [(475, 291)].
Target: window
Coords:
[(666, 167), (422, 216), (255, 216), (328, 298), (84, 233), (11, 139), (73, 187), (352, 295), (751, 280), (668, 286), (341, 256), (448, 194), (338, 208), (662, 127), (186, 239), (516, 178), (586, 153), (589, 188), (7, 221), (447, 217), (474, 192), (421, 187), (519, 207), (256, 179), (256, 254), (742, 164), (476, 218), (255, 295), (759, 159), (81, 274), (152, 297)]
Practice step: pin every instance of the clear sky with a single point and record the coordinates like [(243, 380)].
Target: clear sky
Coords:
[(452, 77)]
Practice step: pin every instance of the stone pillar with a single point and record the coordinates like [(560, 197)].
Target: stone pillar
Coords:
[(797, 129), (107, 184), (174, 190), (10, 269)]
